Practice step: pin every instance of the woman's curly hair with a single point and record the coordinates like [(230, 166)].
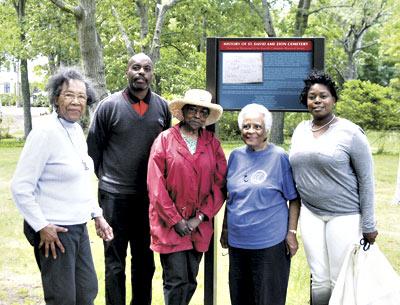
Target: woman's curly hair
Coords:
[(64, 75), (317, 77)]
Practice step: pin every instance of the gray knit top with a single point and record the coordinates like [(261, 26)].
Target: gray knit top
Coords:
[(334, 172)]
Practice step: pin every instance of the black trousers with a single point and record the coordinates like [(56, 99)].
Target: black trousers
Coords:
[(70, 279), (128, 215), (259, 277), (180, 270)]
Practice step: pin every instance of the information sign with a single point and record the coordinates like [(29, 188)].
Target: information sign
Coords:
[(268, 71)]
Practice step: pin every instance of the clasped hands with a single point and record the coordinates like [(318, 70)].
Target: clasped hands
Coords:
[(185, 227), (49, 236)]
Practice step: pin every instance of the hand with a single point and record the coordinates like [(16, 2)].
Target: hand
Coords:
[(182, 228), (103, 229), (193, 223), (223, 240), (49, 238), (370, 237), (291, 244)]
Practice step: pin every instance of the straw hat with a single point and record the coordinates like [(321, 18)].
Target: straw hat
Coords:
[(197, 97)]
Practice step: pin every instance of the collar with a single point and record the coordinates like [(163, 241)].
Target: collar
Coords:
[(133, 99), (66, 123)]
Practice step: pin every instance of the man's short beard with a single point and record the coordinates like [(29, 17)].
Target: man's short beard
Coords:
[(133, 88)]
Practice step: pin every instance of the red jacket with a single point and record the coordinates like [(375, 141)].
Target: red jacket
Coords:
[(182, 185)]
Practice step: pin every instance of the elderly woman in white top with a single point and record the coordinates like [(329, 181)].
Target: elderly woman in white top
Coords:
[(51, 188)]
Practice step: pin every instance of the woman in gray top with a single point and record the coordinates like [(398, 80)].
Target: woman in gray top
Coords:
[(333, 170)]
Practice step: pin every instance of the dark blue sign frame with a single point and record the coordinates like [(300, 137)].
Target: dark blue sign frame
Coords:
[(268, 71)]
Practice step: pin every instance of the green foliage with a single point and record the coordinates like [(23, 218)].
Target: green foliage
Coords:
[(182, 65), (7, 99), (5, 126), (9, 38), (292, 119), (52, 33), (181, 70), (40, 100), (369, 105), (228, 129)]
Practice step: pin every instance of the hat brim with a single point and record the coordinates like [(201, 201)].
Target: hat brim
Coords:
[(176, 106)]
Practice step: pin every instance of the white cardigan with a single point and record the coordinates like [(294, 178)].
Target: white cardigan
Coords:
[(52, 181)]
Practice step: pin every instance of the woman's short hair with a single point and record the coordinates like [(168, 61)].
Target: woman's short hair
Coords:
[(317, 77), (64, 75), (256, 109)]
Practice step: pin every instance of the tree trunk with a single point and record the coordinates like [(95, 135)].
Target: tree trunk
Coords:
[(161, 11), (143, 13), (89, 43), (26, 96), (350, 71), (278, 123), (52, 64), (302, 14), (268, 23), (90, 47), (125, 37), (278, 118)]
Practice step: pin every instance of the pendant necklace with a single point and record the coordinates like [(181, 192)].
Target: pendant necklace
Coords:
[(85, 167), (319, 128)]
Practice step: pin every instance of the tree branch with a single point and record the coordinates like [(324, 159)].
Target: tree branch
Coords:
[(176, 48), (317, 10), (268, 24), (68, 8), (121, 27), (368, 45), (142, 11), (255, 9), (14, 2), (162, 11)]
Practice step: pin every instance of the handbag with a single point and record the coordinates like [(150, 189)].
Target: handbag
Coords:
[(366, 278)]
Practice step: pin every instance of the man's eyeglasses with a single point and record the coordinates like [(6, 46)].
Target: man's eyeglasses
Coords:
[(81, 98), (203, 112)]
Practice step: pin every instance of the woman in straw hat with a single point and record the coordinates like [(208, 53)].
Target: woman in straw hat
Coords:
[(186, 181)]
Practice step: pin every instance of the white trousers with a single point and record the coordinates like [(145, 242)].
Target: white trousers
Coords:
[(326, 240)]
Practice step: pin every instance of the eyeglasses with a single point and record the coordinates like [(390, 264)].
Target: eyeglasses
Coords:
[(193, 110), (81, 98)]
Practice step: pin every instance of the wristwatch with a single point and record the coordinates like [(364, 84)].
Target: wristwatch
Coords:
[(293, 231), (201, 217)]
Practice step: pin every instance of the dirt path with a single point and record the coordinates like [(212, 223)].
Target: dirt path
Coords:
[(13, 117), (18, 289)]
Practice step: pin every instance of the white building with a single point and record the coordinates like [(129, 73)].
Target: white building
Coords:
[(10, 82), (9, 79)]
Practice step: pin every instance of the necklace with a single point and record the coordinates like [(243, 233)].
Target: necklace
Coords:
[(85, 167), (319, 128)]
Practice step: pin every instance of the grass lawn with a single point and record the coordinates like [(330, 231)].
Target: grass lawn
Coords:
[(20, 279)]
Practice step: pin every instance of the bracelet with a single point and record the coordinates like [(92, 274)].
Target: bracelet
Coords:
[(293, 231)]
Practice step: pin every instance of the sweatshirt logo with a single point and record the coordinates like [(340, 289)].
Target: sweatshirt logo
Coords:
[(258, 177)]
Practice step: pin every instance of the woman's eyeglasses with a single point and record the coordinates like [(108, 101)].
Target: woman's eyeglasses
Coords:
[(81, 98), (203, 112)]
